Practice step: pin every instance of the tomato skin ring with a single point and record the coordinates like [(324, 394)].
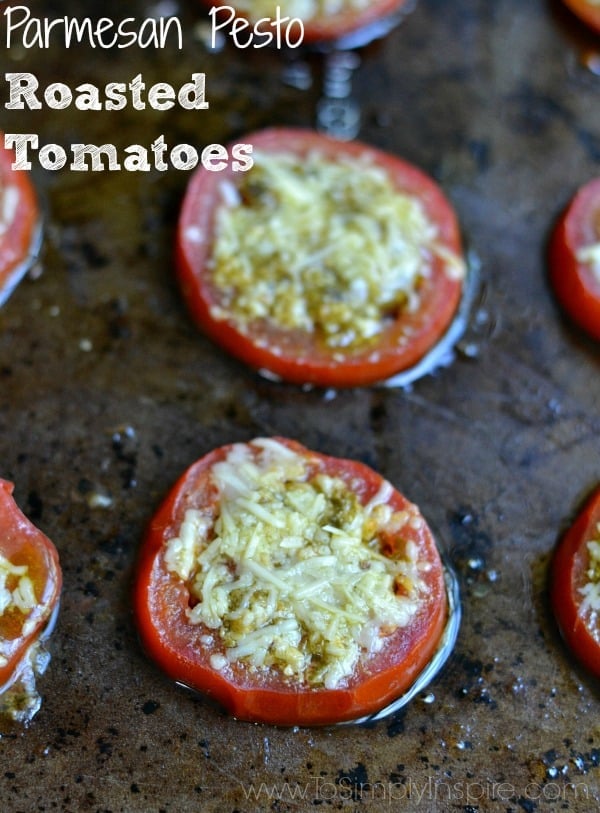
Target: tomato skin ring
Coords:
[(586, 13), (567, 572), (299, 359), (21, 541), (160, 601), (574, 284), (328, 28), (19, 242)]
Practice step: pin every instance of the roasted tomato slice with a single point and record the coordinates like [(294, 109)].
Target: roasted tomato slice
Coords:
[(575, 585), (19, 223), (323, 20), (30, 584), (587, 10), (291, 587), (327, 262), (575, 258)]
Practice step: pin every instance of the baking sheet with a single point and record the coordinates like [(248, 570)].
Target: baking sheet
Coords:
[(107, 388)]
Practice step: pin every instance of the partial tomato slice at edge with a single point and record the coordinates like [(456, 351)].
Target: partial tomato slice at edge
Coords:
[(181, 649), (587, 13), (576, 286), (299, 357), (568, 575), (22, 544), (21, 234)]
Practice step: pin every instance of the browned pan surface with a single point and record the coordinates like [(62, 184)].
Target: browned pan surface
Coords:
[(106, 387)]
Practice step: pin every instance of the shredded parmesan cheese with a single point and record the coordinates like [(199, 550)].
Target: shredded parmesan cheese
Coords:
[(16, 588), (591, 589), (17, 600), (590, 255), (327, 247), (288, 574)]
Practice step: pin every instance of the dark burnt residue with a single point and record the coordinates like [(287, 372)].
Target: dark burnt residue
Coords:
[(125, 448), (354, 782)]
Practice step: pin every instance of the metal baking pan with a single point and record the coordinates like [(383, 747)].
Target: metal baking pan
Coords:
[(107, 388)]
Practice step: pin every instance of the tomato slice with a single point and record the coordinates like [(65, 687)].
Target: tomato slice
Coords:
[(19, 223), (587, 10), (304, 354), (192, 647), (572, 586), (575, 258), (30, 585), (349, 18)]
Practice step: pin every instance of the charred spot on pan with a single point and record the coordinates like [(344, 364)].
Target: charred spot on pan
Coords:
[(533, 113), (473, 667), (119, 323), (35, 505), (480, 153), (91, 589), (115, 545), (474, 687), (150, 706), (124, 444), (585, 762), (105, 748), (378, 415), (396, 724), (92, 256), (528, 805), (354, 781)]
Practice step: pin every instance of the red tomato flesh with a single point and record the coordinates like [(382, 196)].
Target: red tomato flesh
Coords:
[(328, 27), (183, 651), (586, 11), (575, 283), (580, 630), (302, 357), (19, 234), (25, 545)]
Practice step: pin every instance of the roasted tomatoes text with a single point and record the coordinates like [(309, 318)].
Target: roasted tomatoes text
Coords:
[(292, 587), (328, 263)]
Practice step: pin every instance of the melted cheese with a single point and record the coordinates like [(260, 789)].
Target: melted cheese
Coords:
[(9, 200), (325, 247), (590, 255), (289, 572), (591, 589), (17, 595)]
